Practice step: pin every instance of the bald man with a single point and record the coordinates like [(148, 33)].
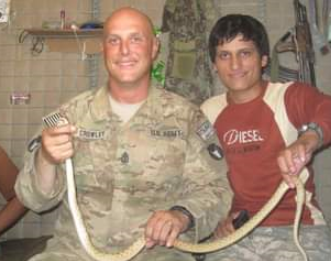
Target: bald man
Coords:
[(145, 160)]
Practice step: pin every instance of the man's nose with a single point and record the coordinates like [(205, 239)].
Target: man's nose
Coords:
[(235, 62), (125, 48)]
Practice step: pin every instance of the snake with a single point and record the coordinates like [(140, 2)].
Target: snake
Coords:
[(212, 246)]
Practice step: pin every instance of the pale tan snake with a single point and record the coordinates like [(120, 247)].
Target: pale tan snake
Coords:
[(216, 245), (139, 244)]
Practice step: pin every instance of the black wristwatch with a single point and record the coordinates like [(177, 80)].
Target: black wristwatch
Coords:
[(312, 126), (186, 213)]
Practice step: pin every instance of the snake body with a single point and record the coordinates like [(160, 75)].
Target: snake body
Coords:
[(139, 244)]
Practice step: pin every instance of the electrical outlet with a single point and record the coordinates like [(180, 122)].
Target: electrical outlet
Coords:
[(4, 10)]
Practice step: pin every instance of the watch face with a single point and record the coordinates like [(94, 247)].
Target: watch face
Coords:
[(314, 127), (304, 127), (309, 126)]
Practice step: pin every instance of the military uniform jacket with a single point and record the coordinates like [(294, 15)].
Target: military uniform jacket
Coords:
[(164, 156)]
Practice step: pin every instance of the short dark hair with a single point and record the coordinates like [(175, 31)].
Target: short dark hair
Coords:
[(229, 26)]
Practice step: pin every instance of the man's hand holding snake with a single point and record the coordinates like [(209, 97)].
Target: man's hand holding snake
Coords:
[(56, 147), (225, 227), (164, 226), (57, 143), (295, 157)]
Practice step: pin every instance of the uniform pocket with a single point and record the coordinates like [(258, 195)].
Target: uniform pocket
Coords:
[(184, 60)]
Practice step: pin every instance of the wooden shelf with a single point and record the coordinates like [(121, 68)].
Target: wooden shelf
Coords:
[(86, 41)]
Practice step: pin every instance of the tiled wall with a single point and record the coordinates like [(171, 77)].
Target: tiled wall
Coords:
[(51, 77)]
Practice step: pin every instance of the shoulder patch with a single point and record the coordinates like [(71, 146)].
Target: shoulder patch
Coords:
[(205, 130)]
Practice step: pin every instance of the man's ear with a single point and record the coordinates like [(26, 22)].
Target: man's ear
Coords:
[(214, 67), (264, 61), (101, 48), (156, 48)]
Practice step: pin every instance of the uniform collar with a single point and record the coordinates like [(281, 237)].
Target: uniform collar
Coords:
[(100, 106)]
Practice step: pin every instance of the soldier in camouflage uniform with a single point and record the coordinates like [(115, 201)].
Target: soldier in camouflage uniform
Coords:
[(146, 161)]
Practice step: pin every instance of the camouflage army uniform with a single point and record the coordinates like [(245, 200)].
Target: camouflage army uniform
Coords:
[(277, 244), (164, 156), (188, 71)]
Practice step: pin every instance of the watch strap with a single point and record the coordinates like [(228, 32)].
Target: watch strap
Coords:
[(186, 213), (312, 126)]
